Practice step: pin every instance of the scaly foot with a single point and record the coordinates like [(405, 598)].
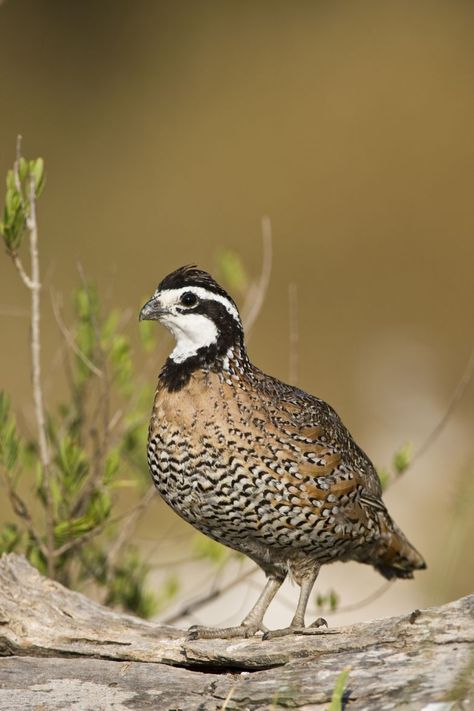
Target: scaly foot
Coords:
[(245, 631), (312, 629)]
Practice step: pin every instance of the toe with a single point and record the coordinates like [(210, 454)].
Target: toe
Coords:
[(320, 622)]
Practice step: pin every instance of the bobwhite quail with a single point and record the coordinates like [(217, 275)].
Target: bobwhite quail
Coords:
[(258, 465)]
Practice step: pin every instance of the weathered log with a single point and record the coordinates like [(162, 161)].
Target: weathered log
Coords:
[(62, 651)]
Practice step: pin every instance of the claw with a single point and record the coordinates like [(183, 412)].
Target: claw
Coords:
[(286, 631), (320, 622)]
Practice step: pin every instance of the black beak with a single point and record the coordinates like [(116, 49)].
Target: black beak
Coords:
[(151, 311)]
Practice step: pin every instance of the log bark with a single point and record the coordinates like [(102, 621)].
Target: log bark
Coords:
[(60, 650)]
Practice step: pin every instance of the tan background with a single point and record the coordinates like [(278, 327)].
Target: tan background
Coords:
[(170, 128)]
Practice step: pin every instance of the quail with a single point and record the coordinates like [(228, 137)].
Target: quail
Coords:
[(258, 465)]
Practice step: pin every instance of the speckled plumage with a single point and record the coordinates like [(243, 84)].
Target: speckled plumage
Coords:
[(264, 467)]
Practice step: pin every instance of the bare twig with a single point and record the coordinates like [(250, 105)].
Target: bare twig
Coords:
[(365, 601), (33, 284), (69, 338), (130, 525), (256, 293), (125, 533), (80, 540), (457, 395), (29, 283), (21, 510), (213, 594), (36, 370), (293, 332), (102, 411)]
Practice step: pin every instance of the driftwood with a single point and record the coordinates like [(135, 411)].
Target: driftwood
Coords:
[(59, 650)]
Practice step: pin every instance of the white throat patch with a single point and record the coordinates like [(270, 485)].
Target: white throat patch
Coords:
[(192, 332)]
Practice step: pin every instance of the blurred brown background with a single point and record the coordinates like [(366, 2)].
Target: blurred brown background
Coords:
[(170, 128)]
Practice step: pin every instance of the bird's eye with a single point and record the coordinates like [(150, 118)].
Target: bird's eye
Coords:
[(189, 298)]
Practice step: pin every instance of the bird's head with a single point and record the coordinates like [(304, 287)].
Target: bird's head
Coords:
[(200, 314)]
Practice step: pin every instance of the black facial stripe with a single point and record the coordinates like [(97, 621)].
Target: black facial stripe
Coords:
[(214, 310), (187, 309), (229, 333)]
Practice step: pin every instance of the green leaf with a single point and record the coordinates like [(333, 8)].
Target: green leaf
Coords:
[(333, 600), (22, 168), (10, 538), (97, 512), (232, 270), (110, 327), (339, 689), (36, 558), (328, 601), (37, 171), (73, 528), (121, 362), (10, 181), (167, 592), (86, 303), (210, 550), (402, 458), (384, 477), (4, 408), (9, 441), (147, 333), (73, 465), (111, 465), (126, 586), (14, 217)]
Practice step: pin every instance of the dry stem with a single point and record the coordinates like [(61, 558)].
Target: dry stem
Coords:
[(213, 594), (257, 292), (293, 332), (36, 370), (33, 284), (21, 510), (69, 338), (130, 524), (456, 396)]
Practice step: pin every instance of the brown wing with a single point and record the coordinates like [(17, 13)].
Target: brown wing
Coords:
[(308, 466)]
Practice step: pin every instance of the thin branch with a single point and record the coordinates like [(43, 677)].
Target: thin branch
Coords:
[(256, 293), (35, 327), (191, 607), (34, 286), (102, 410), (457, 395), (66, 547), (80, 540), (130, 524), (69, 338), (21, 510), (29, 283), (293, 332), (365, 601)]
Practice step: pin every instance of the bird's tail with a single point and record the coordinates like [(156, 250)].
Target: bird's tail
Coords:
[(395, 557)]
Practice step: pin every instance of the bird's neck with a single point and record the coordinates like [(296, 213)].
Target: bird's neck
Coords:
[(231, 361)]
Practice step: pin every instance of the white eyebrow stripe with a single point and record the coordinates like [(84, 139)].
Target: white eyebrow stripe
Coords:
[(171, 296)]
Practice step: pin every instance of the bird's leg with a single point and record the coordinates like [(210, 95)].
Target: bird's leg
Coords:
[(251, 624), (297, 623)]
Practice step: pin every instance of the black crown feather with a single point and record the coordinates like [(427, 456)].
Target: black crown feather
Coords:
[(190, 275)]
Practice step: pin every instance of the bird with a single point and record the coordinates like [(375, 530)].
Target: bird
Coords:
[(258, 465)]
